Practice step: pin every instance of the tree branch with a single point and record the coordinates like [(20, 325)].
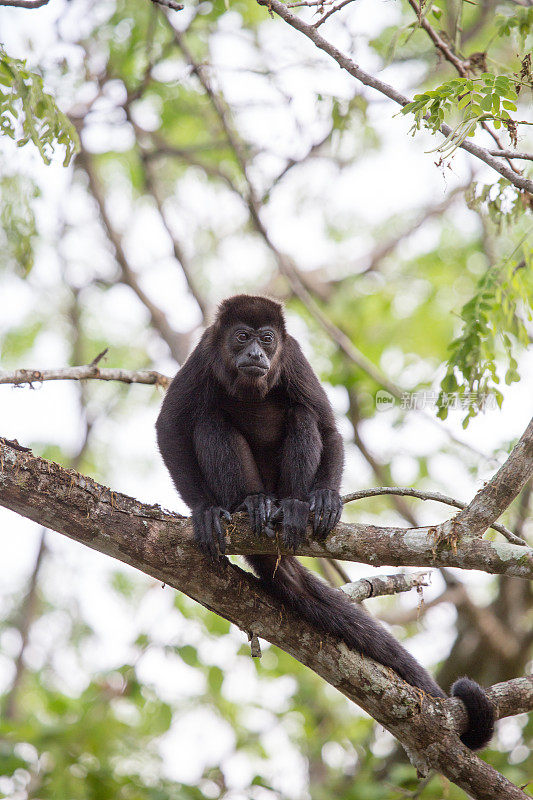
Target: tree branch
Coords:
[(509, 698), (511, 154), (30, 376), (24, 3), (171, 4), (436, 496), (161, 545), (353, 69), (522, 457), (379, 585), (492, 500), (439, 43)]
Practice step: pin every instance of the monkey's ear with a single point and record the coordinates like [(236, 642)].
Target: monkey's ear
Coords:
[(254, 310)]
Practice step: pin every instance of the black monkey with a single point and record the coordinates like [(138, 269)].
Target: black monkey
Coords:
[(246, 423)]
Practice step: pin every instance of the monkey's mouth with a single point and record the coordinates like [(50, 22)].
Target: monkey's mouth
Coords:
[(255, 370)]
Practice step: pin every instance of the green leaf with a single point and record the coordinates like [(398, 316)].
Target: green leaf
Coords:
[(35, 111)]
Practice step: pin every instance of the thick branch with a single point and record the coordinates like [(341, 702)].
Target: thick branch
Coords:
[(389, 91), (498, 493), (160, 544), (497, 487)]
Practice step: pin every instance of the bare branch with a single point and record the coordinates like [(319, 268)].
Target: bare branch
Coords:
[(171, 4), (353, 69), (30, 376), (439, 43), (24, 3), (437, 496), (511, 154), (379, 585), (161, 544)]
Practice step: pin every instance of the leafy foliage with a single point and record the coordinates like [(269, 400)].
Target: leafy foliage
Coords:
[(28, 113), (493, 318), (520, 21), (18, 231), (488, 97)]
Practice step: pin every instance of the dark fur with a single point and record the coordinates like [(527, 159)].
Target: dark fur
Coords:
[(270, 444)]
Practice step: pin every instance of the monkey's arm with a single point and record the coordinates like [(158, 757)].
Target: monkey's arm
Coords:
[(177, 449)]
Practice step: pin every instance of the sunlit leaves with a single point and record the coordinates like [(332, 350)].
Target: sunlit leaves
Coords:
[(488, 97), (494, 323), (28, 113)]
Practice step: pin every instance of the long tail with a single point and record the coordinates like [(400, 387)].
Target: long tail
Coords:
[(330, 611)]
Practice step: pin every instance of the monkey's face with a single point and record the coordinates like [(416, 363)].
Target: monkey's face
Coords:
[(252, 350)]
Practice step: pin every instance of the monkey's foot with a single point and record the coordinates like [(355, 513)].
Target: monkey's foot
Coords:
[(293, 515), (261, 508), (327, 507), (208, 532)]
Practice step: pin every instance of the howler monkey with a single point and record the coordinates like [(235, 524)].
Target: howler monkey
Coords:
[(246, 423)]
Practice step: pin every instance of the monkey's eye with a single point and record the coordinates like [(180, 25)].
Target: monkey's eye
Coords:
[(241, 336), (267, 338)]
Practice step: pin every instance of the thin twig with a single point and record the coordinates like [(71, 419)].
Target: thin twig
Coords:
[(380, 585), (24, 3), (436, 496), (328, 14)]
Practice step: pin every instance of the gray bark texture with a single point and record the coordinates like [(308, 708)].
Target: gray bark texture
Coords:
[(160, 544)]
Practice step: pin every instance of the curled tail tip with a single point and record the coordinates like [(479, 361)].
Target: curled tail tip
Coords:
[(480, 713)]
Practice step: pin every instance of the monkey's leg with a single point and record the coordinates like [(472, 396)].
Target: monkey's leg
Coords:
[(300, 458), (258, 503), (325, 498)]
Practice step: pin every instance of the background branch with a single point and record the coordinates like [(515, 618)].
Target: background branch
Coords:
[(353, 69)]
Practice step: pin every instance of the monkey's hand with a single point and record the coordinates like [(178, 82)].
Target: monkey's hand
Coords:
[(208, 532), (261, 508), (293, 515), (327, 507)]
